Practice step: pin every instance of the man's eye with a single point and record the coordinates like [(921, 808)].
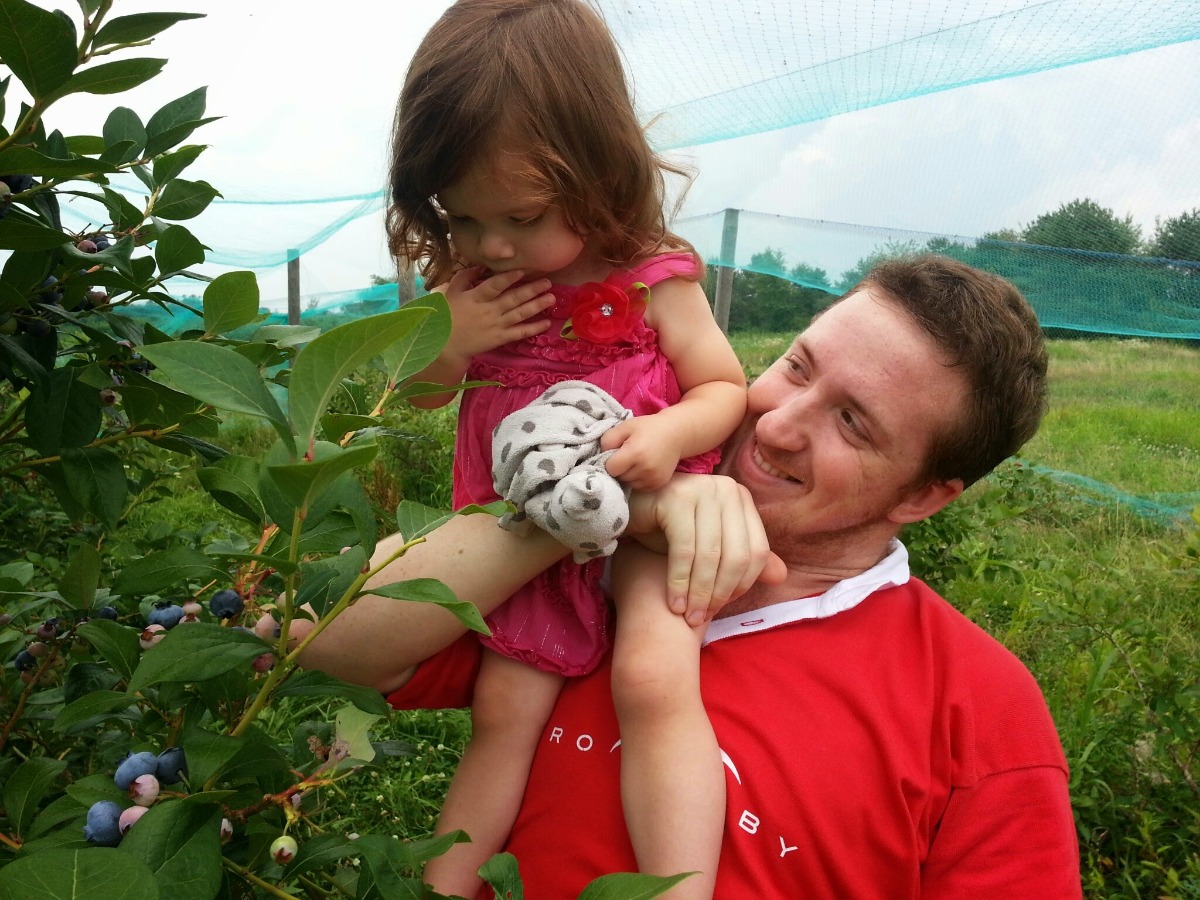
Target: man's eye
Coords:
[(795, 366), (851, 423)]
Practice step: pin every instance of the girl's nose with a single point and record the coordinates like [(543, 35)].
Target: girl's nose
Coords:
[(495, 247)]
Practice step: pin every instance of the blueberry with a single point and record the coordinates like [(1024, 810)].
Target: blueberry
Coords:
[(283, 849), (48, 630), (17, 183), (103, 826), (101, 243), (226, 604), (107, 612), (25, 661), (142, 763), (86, 246), (171, 766), (47, 292), (5, 618), (151, 635), (165, 614)]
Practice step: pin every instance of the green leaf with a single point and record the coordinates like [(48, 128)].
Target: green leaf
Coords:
[(230, 302), (287, 335), (27, 161), (118, 644), (219, 377), (177, 248), (139, 27), (181, 844), (124, 126), (208, 754), (422, 345), (501, 873), (26, 788), (186, 110), (27, 236), (301, 483), (195, 652), (320, 367), (158, 572), (184, 199), (414, 520), (78, 584), (64, 809), (352, 731), (170, 165), (312, 683), (233, 482), (97, 872), (89, 707), (630, 886), (318, 852), (112, 77), (38, 45), (428, 590), (62, 412), (96, 480)]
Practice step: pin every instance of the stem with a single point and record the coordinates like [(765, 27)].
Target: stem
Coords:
[(246, 875), (99, 442), (13, 844)]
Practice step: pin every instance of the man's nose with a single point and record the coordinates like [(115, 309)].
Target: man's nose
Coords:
[(787, 425)]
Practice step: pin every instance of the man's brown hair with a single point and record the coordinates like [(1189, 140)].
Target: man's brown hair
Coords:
[(543, 77), (986, 329)]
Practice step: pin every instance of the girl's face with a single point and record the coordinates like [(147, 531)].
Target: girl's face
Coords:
[(498, 221)]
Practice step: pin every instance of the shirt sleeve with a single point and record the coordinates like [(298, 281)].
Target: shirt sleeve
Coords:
[(1011, 834)]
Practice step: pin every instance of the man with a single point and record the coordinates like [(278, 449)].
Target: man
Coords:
[(876, 743)]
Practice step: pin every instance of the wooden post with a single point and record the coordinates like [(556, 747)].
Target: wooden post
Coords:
[(293, 276), (725, 273), (406, 282)]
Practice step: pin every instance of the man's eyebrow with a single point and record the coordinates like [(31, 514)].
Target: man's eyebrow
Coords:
[(875, 423)]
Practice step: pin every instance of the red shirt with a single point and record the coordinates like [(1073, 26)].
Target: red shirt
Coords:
[(890, 750)]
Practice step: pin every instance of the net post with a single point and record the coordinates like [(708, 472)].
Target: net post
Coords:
[(293, 282), (724, 293)]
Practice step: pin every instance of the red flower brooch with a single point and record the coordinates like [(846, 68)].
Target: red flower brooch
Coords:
[(604, 313)]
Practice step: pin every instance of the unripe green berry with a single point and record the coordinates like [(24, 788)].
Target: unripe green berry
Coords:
[(284, 849)]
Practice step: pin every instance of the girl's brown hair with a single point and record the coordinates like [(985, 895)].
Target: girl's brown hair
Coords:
[(546, 75)]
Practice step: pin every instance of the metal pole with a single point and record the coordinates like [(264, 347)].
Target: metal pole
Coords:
[(725, 273), (293, 275), (406, 283)]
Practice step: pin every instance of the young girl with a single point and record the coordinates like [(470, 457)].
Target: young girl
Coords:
[(523, 186)]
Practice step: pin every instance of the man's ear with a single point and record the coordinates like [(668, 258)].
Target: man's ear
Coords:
[(923, 502)]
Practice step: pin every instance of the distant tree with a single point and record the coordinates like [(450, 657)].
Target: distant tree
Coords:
[(890, 250), (1177, 237), (768, 296), (1085, 225), (1007, 235)]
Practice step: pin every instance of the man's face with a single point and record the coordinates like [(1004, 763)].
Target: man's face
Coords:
[(838, 430)]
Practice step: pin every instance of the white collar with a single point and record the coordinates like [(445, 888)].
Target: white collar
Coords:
[(891, 571)]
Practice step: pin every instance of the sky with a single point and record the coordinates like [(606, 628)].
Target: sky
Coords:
[(306, 100)]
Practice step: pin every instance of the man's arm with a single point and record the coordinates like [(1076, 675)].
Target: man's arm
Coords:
[(1012, 834)]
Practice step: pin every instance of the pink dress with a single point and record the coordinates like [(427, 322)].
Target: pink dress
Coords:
[(560, 620)]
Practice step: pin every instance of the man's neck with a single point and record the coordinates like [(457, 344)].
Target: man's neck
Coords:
[(813, 568)]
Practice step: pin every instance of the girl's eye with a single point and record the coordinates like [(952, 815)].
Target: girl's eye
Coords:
[(527, 221)]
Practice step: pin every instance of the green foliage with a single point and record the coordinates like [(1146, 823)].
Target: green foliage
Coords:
[(1085, 225), (1177, 237), (107, 422), (768, 296)]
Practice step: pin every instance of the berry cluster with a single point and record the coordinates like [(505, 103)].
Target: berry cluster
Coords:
[(141, 775)]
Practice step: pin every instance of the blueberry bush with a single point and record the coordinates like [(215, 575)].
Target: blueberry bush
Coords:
[(133, 756)]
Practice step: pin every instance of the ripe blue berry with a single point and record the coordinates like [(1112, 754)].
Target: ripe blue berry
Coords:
[(102, 826), (24, 661), (165, 614), (171, 766), (106, 612), (142, 763), (226, 604)]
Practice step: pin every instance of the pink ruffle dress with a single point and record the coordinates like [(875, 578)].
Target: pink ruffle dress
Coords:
[(560, 621)]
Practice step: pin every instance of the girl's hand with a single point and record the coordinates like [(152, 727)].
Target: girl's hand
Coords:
[(489, 312), (647, 453), (715, 543)]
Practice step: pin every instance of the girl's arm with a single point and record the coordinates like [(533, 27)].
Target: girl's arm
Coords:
[(710, 377), (484, 315)]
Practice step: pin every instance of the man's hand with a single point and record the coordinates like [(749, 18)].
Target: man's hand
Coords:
[(715, 543)]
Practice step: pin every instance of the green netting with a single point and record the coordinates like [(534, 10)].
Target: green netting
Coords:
[(1103, 293)]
